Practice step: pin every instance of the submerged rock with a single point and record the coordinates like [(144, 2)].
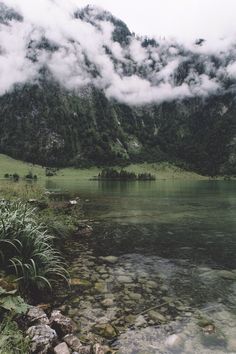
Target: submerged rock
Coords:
[(134, 296), (82, 283), (87, 349), (130, 319), (101, 287), (42, 338), (101, 349), (226, 274), (156, 316), (174, 341), (209, 329), (62, 348), (109, 259), (124, 279), (107, 302), (105, 330), (213, 337), (140, 321), (151, 284), (231, 345)]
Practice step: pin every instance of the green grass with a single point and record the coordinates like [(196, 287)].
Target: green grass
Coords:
[(12, 339), (27, 249), (20, 190), (163, 170), (10, 165)]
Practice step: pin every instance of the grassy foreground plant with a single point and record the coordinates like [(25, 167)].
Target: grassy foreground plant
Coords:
[(26, 248)]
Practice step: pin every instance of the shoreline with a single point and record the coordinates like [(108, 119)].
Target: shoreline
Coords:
[(163, 170), (89, 273)]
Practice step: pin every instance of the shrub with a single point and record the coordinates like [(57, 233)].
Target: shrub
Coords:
[(50, 172), (29, 175), (15, 177), (6, 175), (26, 248)]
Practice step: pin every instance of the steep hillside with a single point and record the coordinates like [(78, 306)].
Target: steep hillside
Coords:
[(70, 101), (46, 124)]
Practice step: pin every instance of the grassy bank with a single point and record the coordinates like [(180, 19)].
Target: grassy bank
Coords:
[(163, 170), (31, 264)]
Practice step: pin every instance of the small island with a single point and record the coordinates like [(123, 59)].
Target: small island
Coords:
[(112, 174)]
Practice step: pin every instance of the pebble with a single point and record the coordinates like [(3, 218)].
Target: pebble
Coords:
[(124, 279), (109, 259)]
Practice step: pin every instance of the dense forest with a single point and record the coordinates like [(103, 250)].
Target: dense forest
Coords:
[(46, 124)]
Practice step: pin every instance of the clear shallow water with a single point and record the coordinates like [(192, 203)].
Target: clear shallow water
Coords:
[(176, 246)]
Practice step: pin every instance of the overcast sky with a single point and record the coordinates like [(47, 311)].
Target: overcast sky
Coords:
[(185, 19)]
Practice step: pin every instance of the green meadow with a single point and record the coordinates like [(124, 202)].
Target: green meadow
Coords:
[(163, 170)]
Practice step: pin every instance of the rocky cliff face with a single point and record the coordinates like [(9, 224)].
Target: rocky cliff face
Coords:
[(140, 100)]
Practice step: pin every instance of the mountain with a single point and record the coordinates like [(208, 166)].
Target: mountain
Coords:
[(95, 93)]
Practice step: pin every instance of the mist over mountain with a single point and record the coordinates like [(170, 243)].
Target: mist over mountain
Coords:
[(77, 87)]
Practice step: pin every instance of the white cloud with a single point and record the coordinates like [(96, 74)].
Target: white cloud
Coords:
[(231, 69), (85, 54), (137, 52)]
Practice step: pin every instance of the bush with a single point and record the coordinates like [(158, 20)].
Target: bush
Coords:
[(15, 177), (31, 176), (6, 175), (50, 172), (26, 248)]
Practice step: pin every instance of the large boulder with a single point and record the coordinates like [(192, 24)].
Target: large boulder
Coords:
[(36, 316), (42, 338), (61, 324)]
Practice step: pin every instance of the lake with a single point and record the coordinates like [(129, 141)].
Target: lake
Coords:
[(160, 266)]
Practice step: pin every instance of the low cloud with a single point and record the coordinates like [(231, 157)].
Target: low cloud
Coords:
[(81, 51)]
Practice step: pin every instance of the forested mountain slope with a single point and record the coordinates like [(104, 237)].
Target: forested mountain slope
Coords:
[(130, 99)]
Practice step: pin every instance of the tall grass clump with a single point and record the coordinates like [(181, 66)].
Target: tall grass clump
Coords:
[(27, 249)]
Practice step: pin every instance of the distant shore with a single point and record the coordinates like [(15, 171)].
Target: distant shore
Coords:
[(161, 170)]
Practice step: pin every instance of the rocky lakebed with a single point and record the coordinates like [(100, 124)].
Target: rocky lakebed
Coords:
[(144, 304)]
